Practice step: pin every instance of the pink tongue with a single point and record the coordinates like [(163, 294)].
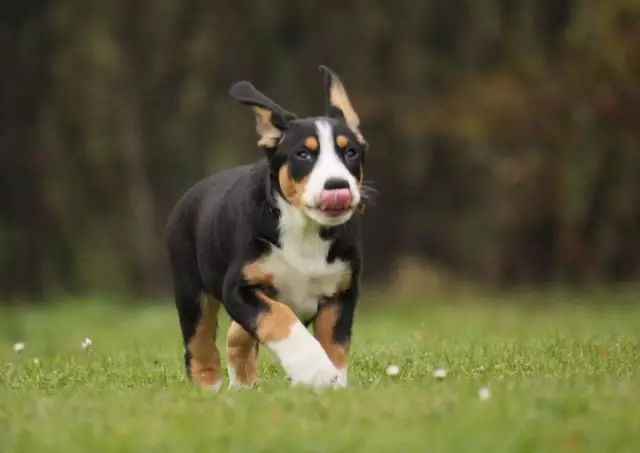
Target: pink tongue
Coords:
[(335, 199)]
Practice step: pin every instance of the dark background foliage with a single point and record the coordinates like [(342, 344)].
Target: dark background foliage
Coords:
[(504, 133)]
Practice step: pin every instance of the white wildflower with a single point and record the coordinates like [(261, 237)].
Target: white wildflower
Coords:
[(86, 343), (440, 373), (18, 347), (393, 370), (36, 361), (484, 393)]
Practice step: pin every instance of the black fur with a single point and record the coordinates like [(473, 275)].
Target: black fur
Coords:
[(229, 219)]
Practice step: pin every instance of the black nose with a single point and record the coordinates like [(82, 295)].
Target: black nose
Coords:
[(336, 183)]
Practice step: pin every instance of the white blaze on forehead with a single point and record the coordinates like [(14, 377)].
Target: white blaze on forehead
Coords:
[(328, 166)]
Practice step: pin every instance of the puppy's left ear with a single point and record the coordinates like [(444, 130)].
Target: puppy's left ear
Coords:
[(337, 102), (271, 119)]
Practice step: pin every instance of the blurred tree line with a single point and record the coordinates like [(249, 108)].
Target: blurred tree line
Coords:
[(504, 133)]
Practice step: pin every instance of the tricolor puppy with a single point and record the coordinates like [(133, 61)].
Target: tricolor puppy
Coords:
[(277, 244)]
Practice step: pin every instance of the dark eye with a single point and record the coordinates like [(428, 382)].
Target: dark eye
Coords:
[(351, 153), (303, 154)]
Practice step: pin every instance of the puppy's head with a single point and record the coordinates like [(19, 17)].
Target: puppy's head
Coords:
[(317, 162)]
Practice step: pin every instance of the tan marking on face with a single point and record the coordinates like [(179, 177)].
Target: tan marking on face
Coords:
[(311, 143), (254, 276), (291, 189), (205, 357), (242, 354), (324, 326), (275, 324), (269, 134), (342, 141)]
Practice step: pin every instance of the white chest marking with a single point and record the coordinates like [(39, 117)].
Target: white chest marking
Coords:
[(300, 270)]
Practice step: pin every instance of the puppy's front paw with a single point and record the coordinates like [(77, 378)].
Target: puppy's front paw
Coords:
[(304, 360), (314, 371)]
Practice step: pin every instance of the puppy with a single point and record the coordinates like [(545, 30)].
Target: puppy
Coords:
[(277, 243)]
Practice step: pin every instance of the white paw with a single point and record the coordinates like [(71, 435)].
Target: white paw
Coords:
[(342, 378), (304, 360), (239, 386), (214, 387), (235, 383), (314, 372)]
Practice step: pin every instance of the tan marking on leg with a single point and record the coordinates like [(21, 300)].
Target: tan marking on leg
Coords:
[(276, 324), (345, 281), (291, 189), (254, 276), (323, 327), (311, 143), (342, 141), (205, 357), (242, 355)]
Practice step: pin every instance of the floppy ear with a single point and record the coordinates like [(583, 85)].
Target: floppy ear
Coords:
[(271, 119), (337, 102)]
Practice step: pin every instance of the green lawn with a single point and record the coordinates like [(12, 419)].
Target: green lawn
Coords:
[(562, 379)]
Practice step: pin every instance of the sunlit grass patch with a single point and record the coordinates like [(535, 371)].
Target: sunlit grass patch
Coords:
[(455, 378)]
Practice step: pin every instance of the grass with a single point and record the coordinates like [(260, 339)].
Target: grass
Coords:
[(562, 378)]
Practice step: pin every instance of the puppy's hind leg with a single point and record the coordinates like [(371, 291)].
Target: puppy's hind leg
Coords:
[(198, 315), (202, 357)]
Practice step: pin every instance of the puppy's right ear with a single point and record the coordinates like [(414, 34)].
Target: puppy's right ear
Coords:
[(271, 119)]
